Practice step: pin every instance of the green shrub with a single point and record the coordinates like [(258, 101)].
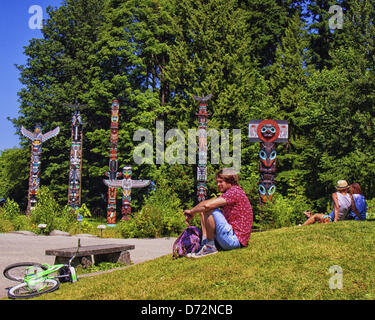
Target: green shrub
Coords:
[(81, 227), (5, 225), (282, 212), (141, 225), (72, 225), (370, 209), (160, 216), (22, 222), (12, 219), (48, 211), (11, 209)]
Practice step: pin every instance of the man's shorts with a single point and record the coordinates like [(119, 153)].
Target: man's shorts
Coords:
[(224, 234)]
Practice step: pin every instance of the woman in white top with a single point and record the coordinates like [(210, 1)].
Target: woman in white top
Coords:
[(343, 201)]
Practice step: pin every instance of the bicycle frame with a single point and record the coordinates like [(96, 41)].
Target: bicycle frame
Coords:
[(35, 281)]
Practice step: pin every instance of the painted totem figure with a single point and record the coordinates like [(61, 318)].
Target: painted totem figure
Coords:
[(202, 147), (75, 169), (268, 133), (112, 174), (37, 139), (126, 184)]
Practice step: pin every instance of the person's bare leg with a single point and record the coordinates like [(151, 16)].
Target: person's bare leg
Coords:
[(203, 226), (314, 218), (208, 225)]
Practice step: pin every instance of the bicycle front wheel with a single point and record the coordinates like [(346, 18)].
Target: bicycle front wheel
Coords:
[(22, 291), (18, 271)]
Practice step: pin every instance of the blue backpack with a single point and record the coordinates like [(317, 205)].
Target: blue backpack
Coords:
[(188, 242)]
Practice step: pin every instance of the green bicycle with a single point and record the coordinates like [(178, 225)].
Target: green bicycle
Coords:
[(37, 279)]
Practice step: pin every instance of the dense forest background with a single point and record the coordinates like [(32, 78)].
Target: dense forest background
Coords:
[(260, 59)]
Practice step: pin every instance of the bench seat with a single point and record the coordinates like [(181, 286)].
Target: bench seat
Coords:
[(88, 255)]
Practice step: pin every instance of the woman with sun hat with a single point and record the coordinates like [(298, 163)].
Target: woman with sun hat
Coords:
[(342, 202)]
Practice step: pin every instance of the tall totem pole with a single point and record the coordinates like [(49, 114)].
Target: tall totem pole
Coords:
[(126, 184), (75, 168), (37, 139), (112, 174), (202, 147), (268, 133)]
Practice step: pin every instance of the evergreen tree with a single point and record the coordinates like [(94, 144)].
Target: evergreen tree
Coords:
[(55, 74), (340, 109), (14, 173), (129, 63), (288, 86), (214, 53), (322, 38)]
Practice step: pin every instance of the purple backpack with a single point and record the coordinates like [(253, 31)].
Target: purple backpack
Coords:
[(187, 242)]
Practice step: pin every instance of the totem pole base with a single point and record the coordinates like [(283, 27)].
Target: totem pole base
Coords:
[(111, 218)]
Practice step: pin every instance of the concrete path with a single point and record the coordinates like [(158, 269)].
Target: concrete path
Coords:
[(31, 248)]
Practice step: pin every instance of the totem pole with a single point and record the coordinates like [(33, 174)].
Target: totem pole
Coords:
[(268, 133), (126, 184), (112, 174), (75, 168), (202, 147), (37, 139)]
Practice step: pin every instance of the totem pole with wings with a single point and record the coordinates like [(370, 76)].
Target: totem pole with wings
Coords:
[(126, 184), (37, 138)]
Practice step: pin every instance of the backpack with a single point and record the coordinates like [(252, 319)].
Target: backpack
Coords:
[(188, 242)]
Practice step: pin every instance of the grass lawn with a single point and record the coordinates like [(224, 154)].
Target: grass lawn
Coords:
[(287, 263)]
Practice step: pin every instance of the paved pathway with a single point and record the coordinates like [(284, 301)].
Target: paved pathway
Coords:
[(22, 248)]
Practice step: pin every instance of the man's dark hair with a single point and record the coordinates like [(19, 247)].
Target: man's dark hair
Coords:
[(228, 175)]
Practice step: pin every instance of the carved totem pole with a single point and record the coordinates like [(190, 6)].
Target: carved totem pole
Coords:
[(112, 174), (75, 169), (202, 147), (126, 184), (37, 139), (268, 133)]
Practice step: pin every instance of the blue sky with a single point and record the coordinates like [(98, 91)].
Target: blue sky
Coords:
[(15, 33)]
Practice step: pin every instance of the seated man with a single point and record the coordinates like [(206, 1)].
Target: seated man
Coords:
[(231, 228)]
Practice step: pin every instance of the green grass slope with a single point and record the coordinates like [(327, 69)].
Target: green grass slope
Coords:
[(288, 263)]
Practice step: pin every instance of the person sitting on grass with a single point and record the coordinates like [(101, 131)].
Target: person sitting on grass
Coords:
[(342, 202), (230, 228), (359, 201)]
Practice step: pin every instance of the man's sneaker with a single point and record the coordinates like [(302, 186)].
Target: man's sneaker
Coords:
[(205, 251), (189, 255)]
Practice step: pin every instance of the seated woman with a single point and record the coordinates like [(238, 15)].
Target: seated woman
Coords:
[(359, 200), (342, 202)]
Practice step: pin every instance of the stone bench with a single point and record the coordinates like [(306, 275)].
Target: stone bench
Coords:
[(100, 253)]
